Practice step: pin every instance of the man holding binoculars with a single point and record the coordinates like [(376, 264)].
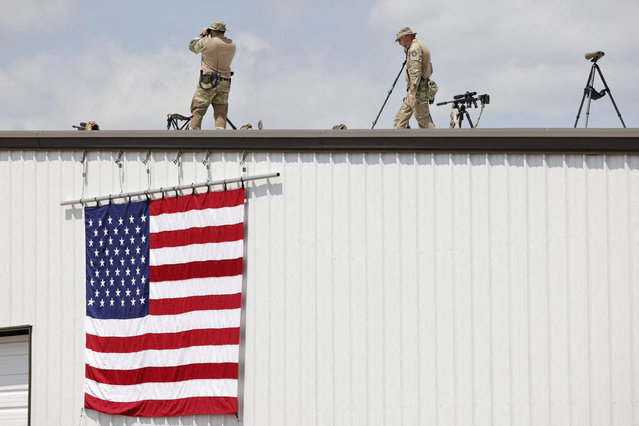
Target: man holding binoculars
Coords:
[(215, 74)]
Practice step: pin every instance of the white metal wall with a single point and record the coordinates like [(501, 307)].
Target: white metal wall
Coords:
[(381, 288)]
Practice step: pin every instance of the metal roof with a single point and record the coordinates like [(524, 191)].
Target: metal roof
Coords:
[(411, 140)]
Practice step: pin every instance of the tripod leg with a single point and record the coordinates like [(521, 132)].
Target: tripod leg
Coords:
[(587, 90), (470, 122), (610, 94)]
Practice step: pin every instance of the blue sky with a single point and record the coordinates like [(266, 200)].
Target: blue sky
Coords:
[(310, 65)]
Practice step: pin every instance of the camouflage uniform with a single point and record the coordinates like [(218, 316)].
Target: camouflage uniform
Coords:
[(418, 72), (217, 55)]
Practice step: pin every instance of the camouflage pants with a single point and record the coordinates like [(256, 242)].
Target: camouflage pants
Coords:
[(408, 108), (217, 96)]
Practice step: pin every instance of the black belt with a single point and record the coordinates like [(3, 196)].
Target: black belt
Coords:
[(223, 79)]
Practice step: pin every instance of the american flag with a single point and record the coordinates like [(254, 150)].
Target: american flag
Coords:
[(163, 299)]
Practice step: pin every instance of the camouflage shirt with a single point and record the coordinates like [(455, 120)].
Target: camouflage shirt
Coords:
[(418, 65)]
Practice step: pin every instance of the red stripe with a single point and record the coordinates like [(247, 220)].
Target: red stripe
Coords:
[(164, 408), (195, 303), (184, 339), (163, 374), (206, 269), (207, 200), (211, 234)]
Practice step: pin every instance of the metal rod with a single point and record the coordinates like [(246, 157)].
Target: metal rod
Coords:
[(172, 188)]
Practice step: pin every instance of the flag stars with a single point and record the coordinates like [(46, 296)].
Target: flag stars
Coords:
[(126, 231), (90, 223), (97, 273), (122, 262), (137, 229), (143, 259), (121, 241), (97, 253), (127, 251), (110, 241), (102, 303), (111, 302), (117, 292), (128, 292), (100, 222), (142, 300), (110, 220), (115, 231), (106, 232), (133, 281), (95, 233), (97, 293), (144, 238), (132, 240), (143, 279), (91, 302), (133, 261), (111, 281), (116, 251), (137, 291), (137, 250), (111, 261), (128, 272), (121, 221), (117, 272), (90, 243), (101, 262), (102, 283), (132, 302), (137, 271), (122, 302), (107, 293), (131, 219)]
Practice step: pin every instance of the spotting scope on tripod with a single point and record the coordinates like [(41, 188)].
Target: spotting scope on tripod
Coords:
[(460, 103), (590, 91)]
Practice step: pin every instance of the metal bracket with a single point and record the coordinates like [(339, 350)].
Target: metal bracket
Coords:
[(207, 163)]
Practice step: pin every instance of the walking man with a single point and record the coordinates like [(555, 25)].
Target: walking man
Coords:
[(215, 75), (418, 72)]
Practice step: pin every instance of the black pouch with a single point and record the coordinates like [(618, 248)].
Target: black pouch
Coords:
[(208, 81)]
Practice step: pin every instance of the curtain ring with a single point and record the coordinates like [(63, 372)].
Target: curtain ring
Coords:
[(110, 201), (193, 188), (242, 180), (162, 193), (224, 182)]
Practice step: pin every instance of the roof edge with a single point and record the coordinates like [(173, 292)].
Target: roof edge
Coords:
[(405, 140)]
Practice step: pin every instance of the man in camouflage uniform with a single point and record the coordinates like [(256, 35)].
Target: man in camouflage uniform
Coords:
[(418, 72), (217, 55)]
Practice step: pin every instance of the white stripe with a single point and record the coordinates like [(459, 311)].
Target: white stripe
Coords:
[(225, 318), (162, 391), (195, 287), (197, 219), (196, 253), (163, 358)]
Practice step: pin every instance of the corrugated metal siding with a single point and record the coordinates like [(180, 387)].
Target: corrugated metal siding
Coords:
[(381, 288)]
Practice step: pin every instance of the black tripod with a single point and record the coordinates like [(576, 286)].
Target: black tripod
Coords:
[(461, 112), (590, 91)]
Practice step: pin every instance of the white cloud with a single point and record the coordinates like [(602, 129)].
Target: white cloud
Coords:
[(36, 17)]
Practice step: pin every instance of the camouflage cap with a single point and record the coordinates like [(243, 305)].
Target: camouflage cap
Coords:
[(218, 26), (404, 31)]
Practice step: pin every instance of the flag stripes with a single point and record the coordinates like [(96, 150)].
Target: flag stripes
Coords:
[(165, 343)]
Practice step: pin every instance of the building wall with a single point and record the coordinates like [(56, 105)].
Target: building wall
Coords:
[(381, 288)]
